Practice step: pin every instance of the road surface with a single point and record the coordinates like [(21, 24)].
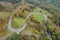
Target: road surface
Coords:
[(24, 25)]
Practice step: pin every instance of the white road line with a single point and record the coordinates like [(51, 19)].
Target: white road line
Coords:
[(24, 25), (15, 30)]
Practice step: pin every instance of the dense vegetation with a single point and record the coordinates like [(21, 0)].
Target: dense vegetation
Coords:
[(37, 28), (54, 2)]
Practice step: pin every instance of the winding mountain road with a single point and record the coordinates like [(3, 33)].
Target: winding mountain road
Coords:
[(24, 25)]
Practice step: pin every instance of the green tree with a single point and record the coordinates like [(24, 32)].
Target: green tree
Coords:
[(14, 37), (14, 1)]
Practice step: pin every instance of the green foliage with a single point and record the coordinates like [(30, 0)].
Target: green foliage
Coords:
[(1, 7), (14, 37), (45, 32), (14, 1), (44, 36), (17, 22)]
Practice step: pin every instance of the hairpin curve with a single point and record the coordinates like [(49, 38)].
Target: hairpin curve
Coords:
[(24, 25)]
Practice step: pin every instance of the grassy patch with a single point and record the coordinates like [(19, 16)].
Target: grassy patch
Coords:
[(17, 22), (38, 17)]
